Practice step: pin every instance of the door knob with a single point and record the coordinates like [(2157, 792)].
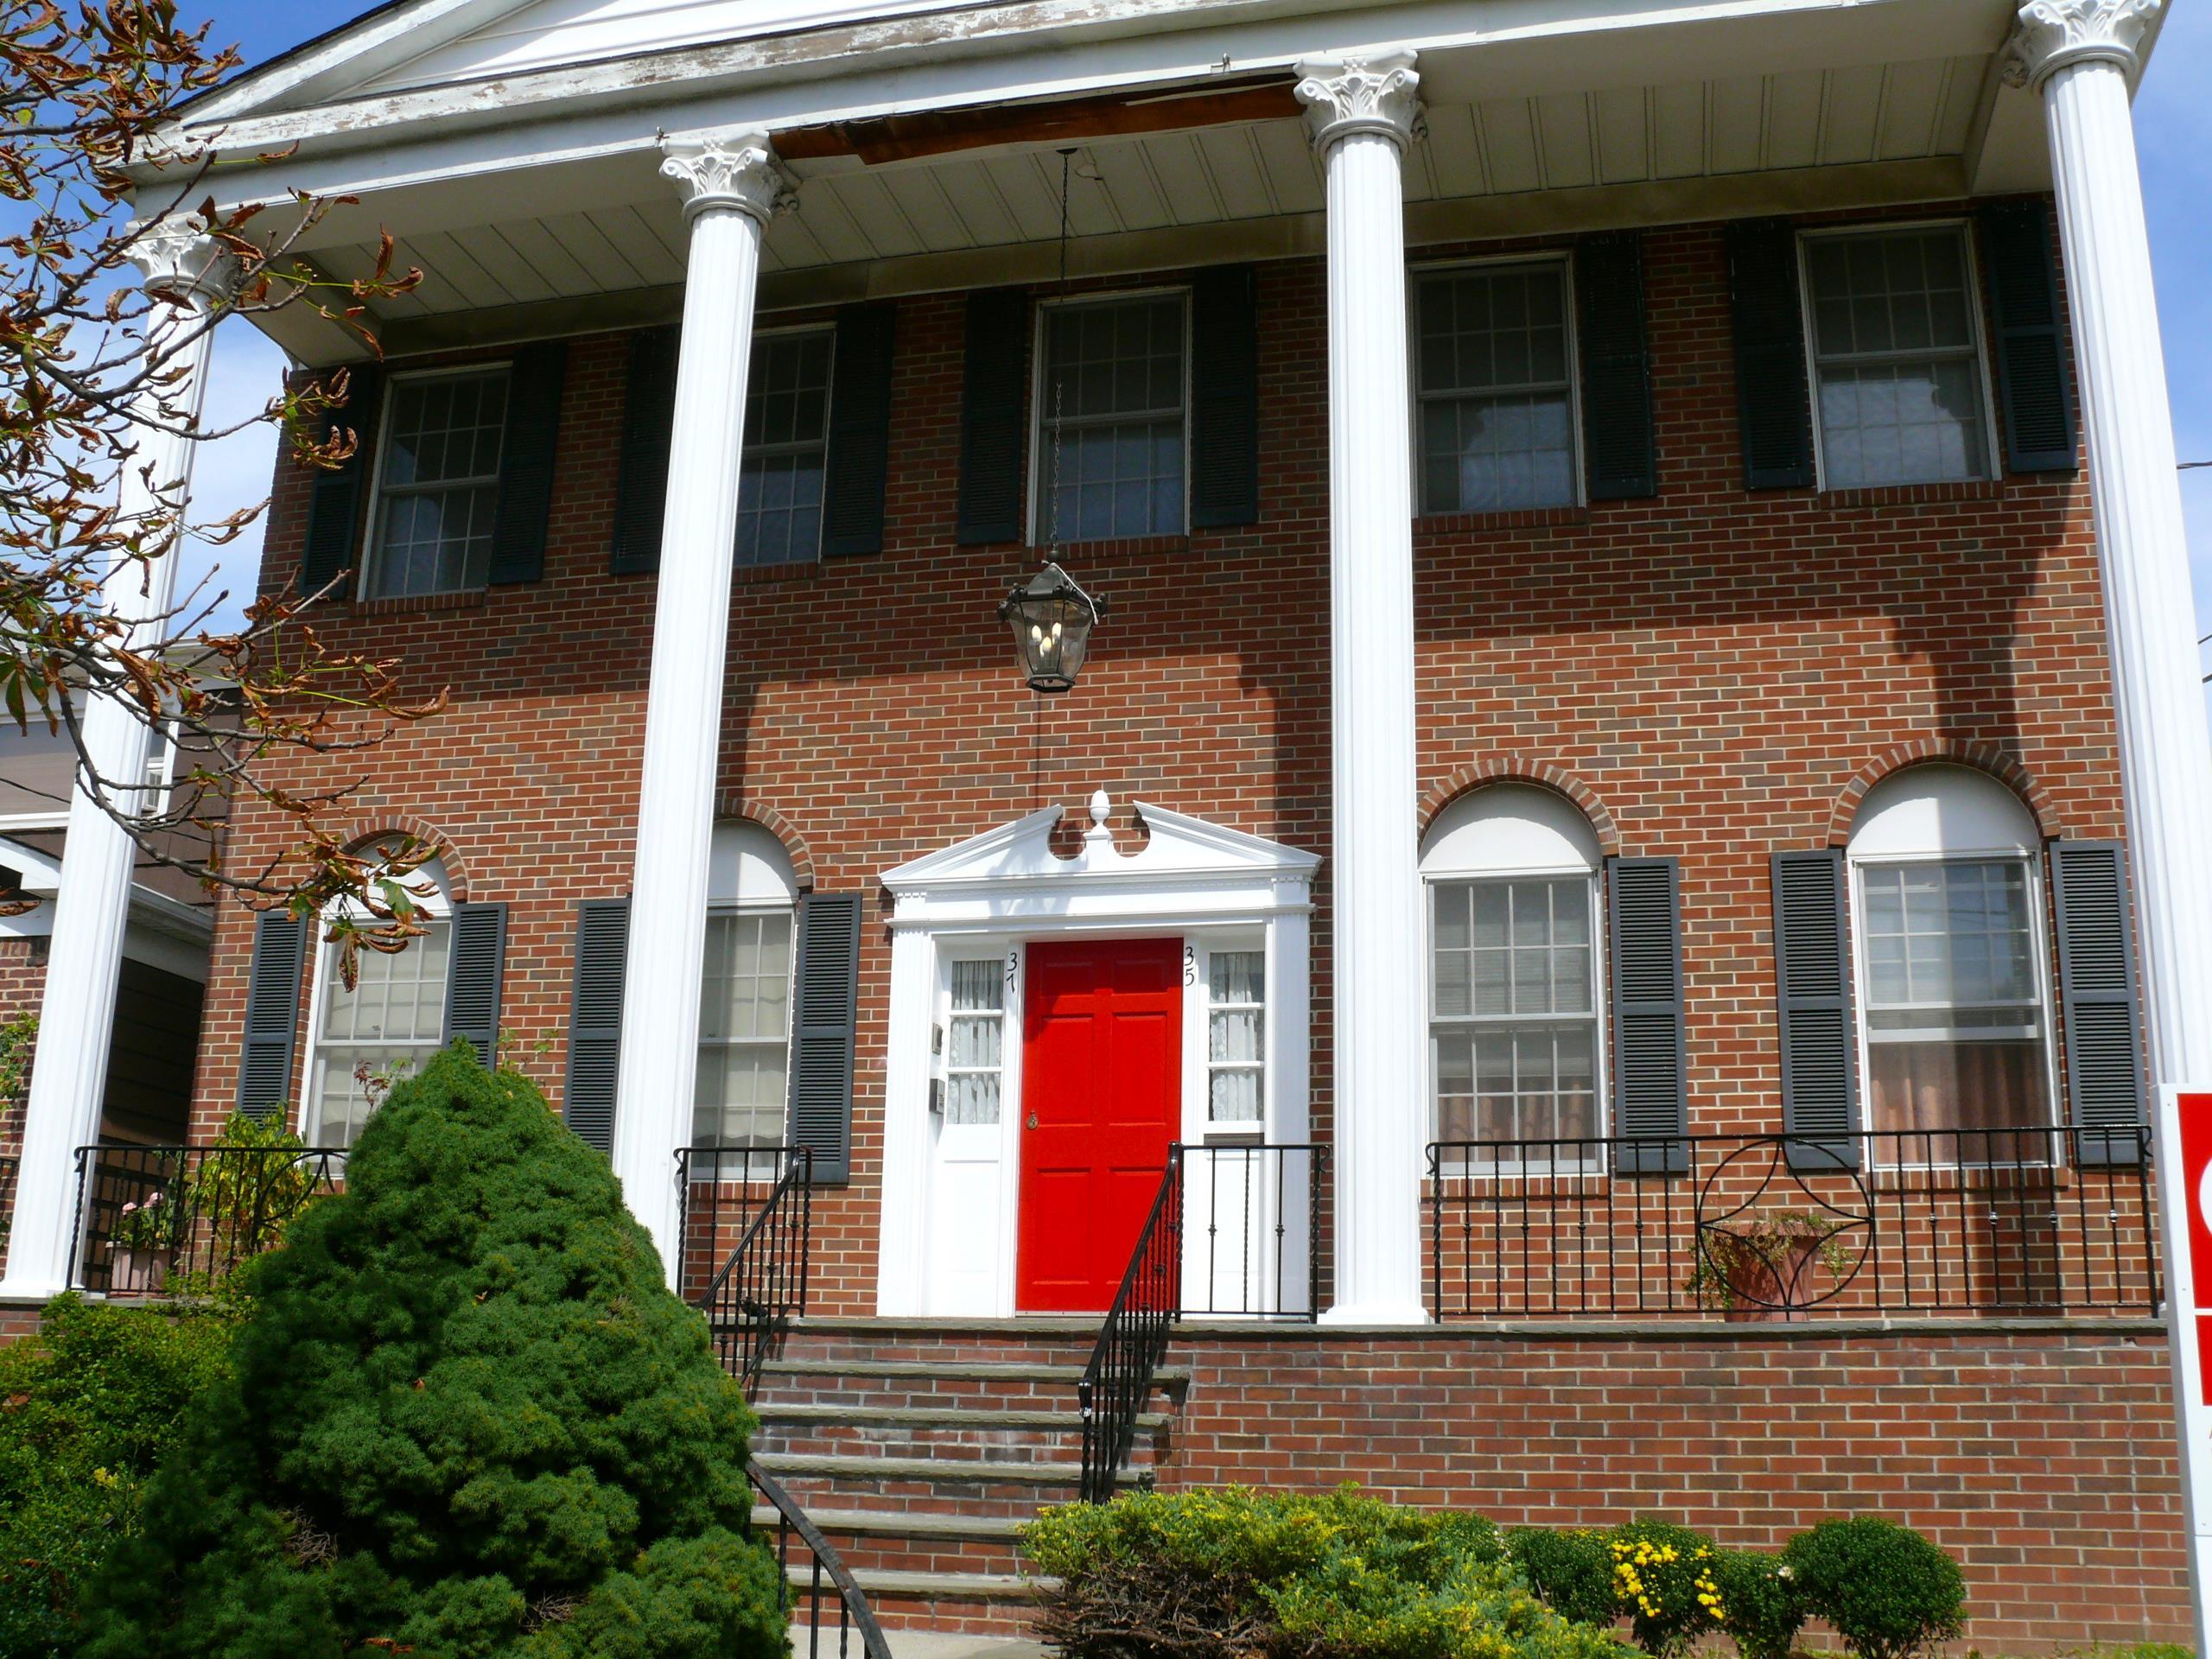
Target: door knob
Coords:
[(1032, 1120)]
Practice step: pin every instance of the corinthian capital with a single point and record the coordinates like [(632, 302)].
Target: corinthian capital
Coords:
[(176, 256), (1378, 93), (735, 170), (2051, 34)]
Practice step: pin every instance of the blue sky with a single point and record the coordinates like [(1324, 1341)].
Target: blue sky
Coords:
[(2173, 124)]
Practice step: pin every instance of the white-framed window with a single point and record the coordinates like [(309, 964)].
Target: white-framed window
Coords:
[(1900, 389), (437, 494), (1236, 1012), (779, 488), (386, 1025), (1953, 968), (975, 1057), (1111, 432), (741, 1087), (1516, 1041), (1494, 385)]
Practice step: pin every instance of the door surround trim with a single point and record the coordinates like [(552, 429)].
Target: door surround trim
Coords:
[(999, 890)]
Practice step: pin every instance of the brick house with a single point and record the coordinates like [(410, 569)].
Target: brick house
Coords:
[(1604, 801)]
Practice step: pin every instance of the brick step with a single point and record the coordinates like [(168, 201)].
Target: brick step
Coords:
[(896, 1395), (927, 1471), (943, 1344), (976, 1418), (1012, 1502), (903, 1524), (843, 1365), (931, 1552), (954, 1445)]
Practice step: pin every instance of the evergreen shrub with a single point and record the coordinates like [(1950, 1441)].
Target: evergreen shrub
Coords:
[(465, 1417), (1889, 1593)]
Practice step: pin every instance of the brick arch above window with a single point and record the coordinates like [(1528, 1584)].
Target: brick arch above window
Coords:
[(1520, 769), (1943, 750), (735, 803), (366, 830)]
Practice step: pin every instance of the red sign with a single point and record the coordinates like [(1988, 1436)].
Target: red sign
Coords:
[(2195, 1112)]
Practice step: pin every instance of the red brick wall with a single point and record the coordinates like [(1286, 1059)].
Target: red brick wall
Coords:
[(2043, 1459), (23, 982), (1712, 670)]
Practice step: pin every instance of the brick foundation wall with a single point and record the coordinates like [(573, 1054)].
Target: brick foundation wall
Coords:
[(23, 982), (1714, 674), (2042, 1457)]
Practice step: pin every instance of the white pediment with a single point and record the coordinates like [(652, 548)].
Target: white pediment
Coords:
[(1180, 851)]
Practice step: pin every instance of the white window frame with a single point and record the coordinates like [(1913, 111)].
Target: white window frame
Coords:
[(828, 414), (436, 904), (1563, 259), (753, 907), (2039, 949), (1040, 508), (372, 534), (1992, 463), (1231, 1129), (1005, 965)]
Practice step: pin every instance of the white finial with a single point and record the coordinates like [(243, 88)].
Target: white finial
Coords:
[(1101, 808)]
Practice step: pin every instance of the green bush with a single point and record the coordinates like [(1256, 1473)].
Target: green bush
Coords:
[(86, 1407), (1233, 1573), (464, 1416), (1572, 1570), (1663, 1581), (1889, 1591), (1760, 1606)]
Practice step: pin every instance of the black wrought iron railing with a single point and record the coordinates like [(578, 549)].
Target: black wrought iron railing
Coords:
[(827, 1610), (1981, 1221), (1251, 1229), (1132, 1342), (760, 1288), (719, 1191), (149, 1219)]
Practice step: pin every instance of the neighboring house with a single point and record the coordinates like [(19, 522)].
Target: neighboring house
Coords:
[(1619, 752)]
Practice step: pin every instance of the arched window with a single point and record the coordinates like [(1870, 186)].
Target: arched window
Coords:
[(1947, 891), (745, 993), (391, 1020), (1515, 1050)]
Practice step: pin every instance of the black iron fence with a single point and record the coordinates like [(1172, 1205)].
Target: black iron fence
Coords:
[(719, 1191), (153, 1218), (827, 1613), (1251, 1229), (760, 1288), (1954, 1222)]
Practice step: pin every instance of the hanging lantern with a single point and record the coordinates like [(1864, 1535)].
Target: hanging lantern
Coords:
[(1052, 620)]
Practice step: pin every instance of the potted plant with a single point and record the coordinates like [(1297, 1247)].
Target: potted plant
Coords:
[(1757, 1270), (141, 1244)]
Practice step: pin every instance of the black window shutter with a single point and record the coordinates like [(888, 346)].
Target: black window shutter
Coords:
[(272, 1012), (826, 1004), (595, 1020), (641, 471), (1225, 399), (993, 376), (860, 432), (1620, 451), (526, 461), (475, 966), (1651, 1070), (2097, 990), (337, 527), (2031, 338), (1819, 1043), (1772, 410)]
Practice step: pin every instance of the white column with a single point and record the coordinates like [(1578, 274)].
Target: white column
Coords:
[(1362, 111), (731, 183), (77, 1012), (2082, 56)]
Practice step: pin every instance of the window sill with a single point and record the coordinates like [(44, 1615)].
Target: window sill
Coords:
[(1914, 495), (1461, 524), (754, 576), (1121, 547), (410, 604)]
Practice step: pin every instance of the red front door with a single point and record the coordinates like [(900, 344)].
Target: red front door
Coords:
[(1101, 1101)]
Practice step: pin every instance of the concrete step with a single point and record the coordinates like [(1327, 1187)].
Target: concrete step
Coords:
[(979, 1418), (950, 1586), (838, 1364), (904, 1524), (931, 1471)]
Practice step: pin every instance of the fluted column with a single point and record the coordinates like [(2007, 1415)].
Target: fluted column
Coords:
[(731, 183), (2083, 56), (1362, 112), (191, 272)]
